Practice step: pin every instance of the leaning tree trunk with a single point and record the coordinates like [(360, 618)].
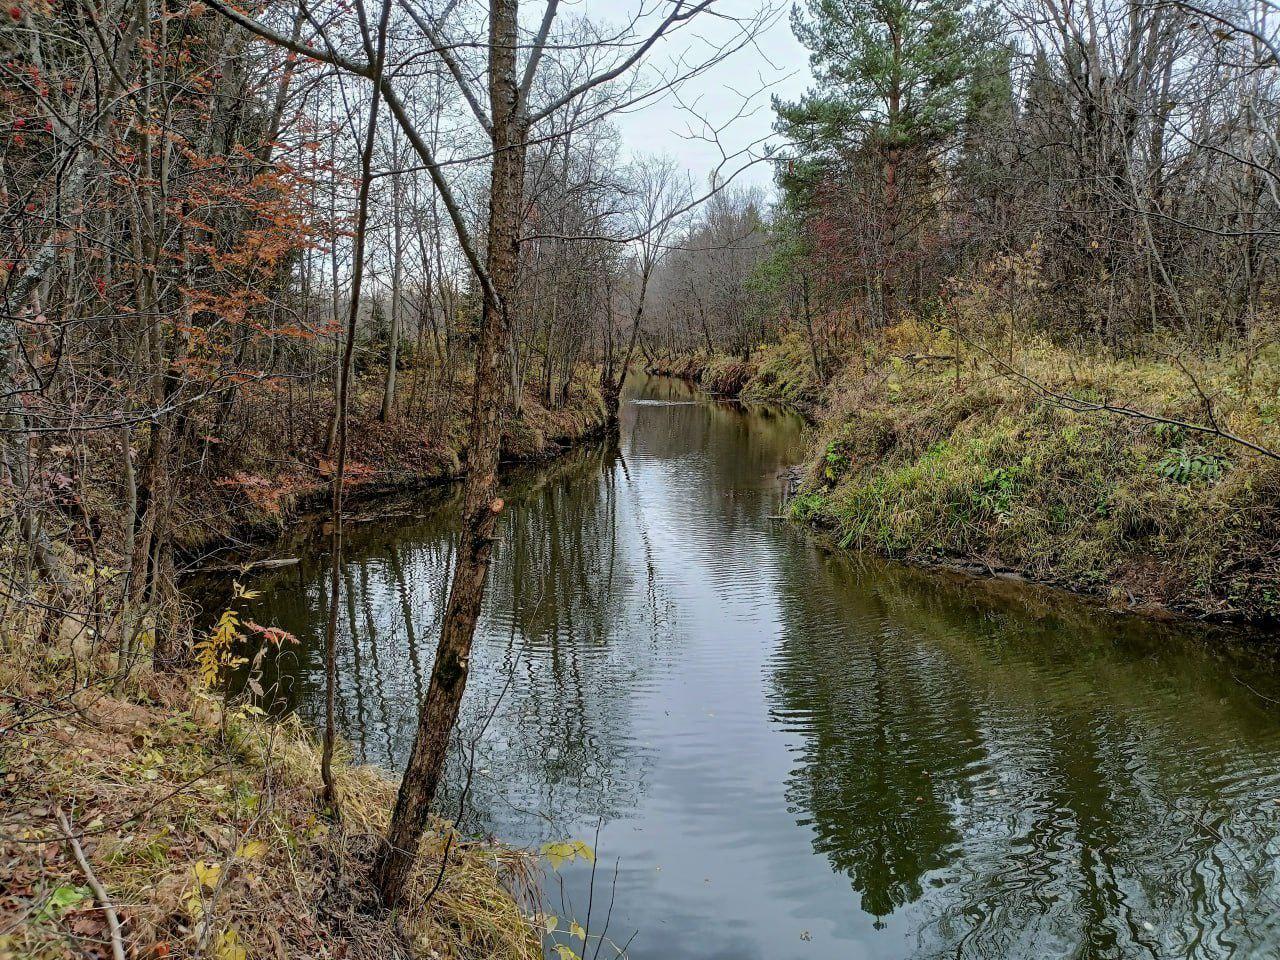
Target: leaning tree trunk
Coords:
[(481, 505), (613, 388)]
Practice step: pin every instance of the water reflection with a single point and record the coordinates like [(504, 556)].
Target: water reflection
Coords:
[(1028, 781), (796, 754)]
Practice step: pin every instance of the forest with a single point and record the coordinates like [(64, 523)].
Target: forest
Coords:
[(274, 270)]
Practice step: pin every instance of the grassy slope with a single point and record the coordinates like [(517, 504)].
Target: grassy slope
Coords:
[(913, 463), (205, 831), (779, 373)]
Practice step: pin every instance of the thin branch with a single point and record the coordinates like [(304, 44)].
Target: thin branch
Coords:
[(113, 921)]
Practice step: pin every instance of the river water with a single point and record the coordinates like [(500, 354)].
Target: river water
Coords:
[(789, 753)]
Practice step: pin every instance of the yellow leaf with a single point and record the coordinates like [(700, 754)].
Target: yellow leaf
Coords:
[(556, 853), (207, 873), (567, 850), (242, 592), (552, 921), (230, 948), (252, 850), (566, 952), (575, 930)]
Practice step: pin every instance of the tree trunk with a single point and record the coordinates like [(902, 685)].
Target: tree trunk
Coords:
[(397, 274), (481, 506), (338, 484)]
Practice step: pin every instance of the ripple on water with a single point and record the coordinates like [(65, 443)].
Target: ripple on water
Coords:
[(792, 754)]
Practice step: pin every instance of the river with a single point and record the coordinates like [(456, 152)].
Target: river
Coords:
[(791, 753)]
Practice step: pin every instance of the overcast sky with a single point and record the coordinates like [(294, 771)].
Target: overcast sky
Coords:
[(743, 83)]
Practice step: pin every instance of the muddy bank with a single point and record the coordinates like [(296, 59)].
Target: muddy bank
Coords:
[(257, 500)]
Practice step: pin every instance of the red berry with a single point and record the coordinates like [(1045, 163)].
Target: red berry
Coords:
[(31, 208), (19, 123), (15, 12), (48, 126)]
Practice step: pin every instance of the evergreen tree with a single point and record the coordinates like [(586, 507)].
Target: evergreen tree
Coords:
[(892, 87), (890, 73)]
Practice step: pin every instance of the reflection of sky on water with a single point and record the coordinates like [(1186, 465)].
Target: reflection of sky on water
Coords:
[(780, 742)]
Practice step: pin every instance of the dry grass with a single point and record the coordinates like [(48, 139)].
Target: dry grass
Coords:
[(205, 831), (784, 374), (918, 461), (779, 373)]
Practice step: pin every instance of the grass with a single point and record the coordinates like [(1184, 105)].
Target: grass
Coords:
[(915, 461), (779, 373), (204, 828)]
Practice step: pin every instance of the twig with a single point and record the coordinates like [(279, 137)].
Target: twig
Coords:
[(113, 922), (269, 564), (1204, 397)]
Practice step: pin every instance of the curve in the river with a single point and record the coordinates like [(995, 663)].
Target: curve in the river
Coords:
[(792, 754)]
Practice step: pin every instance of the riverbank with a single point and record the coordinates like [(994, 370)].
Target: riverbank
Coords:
[(199, 832), (965, 465), (780, 373), (255, 490), (970, 466)]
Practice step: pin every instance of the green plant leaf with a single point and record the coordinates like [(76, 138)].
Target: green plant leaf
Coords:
[(61, 900)]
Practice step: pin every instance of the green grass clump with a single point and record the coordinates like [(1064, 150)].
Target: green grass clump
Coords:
[(784, 374)]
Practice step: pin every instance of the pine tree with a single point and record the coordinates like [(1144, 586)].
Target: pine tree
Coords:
[(891, 73), (892, 82)]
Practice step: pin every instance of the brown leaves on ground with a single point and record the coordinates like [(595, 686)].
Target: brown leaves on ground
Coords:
[(205, 831)]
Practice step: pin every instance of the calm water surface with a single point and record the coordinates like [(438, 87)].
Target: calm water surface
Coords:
[(791, 754)]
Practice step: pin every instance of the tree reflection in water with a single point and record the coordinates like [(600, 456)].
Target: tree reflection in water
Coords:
[(1027, 780), (761, 726)]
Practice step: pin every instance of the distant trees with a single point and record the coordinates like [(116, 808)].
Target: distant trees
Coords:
[(658, 195), (1106, 172), (1124, 152), (705, 287)]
